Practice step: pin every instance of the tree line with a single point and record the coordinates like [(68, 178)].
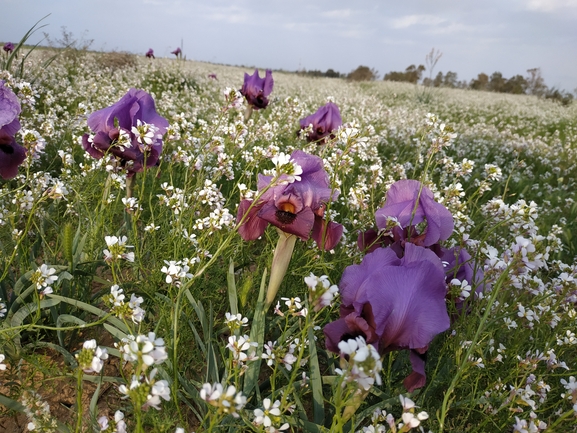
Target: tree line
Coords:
[(531, 84)]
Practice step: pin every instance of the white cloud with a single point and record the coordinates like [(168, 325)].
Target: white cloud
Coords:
[(551, 5), (338, 13), (412, 20), (229, 15)]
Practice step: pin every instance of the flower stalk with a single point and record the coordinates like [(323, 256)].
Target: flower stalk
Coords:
[(281, 259)]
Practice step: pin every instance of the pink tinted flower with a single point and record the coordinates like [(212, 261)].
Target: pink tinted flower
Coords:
[(296, 208)]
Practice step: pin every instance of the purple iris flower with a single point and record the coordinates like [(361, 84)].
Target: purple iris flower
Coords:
[(177, 52), (324, 121), (8, 47), (256, 90), (130, 129), (11, 153), (394, 303), (410, 205), (296, 208), (150, 53)]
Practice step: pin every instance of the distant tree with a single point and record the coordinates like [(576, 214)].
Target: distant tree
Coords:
[(496, 82), (450, 80), (516, 85), (481, 82), (332, 74), (438, 81), (363, 73), (535, 83), (411, 75)]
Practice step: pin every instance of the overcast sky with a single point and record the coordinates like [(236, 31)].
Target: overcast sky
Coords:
[(509, 36)]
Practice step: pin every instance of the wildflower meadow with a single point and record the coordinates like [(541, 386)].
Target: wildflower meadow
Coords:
[(187, 246)]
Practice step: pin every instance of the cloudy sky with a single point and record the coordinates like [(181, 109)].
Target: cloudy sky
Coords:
[(509, 36)]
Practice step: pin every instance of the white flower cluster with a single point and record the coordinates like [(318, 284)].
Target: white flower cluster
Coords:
[(321, 292), (146, 135), (240, 346), (44, 277), (116, 426), (407, 422), (34, 144), (117, 249), (91, 358), (131, 204), (145, 350), (121, 309), (533, 426), (364, 363), (173, 198), (176, 271), (283, 354), (227, 402), (147, 391), (235, 321), (219, 216), (38, 413), (233, 98), (286, 169), (269, 417)]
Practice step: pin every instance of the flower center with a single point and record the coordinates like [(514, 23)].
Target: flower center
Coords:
[(8, 150), (287, 207), (285, 217)]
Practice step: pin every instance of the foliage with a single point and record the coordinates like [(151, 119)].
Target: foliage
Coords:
[(363, 73)]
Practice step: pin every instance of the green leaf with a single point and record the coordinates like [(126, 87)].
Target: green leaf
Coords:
[(23, 281), (94, 401), (93, 310), (316, 380), (232, 295), (68, 318), (114, 331), (28, 309), (256, 335)]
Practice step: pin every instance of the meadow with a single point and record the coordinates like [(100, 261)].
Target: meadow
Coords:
[(137, 303)]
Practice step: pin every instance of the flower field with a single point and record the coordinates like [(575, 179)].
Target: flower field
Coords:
[(188, 247)]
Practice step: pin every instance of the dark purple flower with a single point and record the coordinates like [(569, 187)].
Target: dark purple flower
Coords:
[(394, 303), (177, 52), (324, 122), (411, 205), (150, 53), (256, 90), (296, 208), (8, 47), (213, 76), (11, 153), (131, 130)]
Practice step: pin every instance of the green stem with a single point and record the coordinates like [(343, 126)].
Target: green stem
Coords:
[(79, 400), (461, 369)]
